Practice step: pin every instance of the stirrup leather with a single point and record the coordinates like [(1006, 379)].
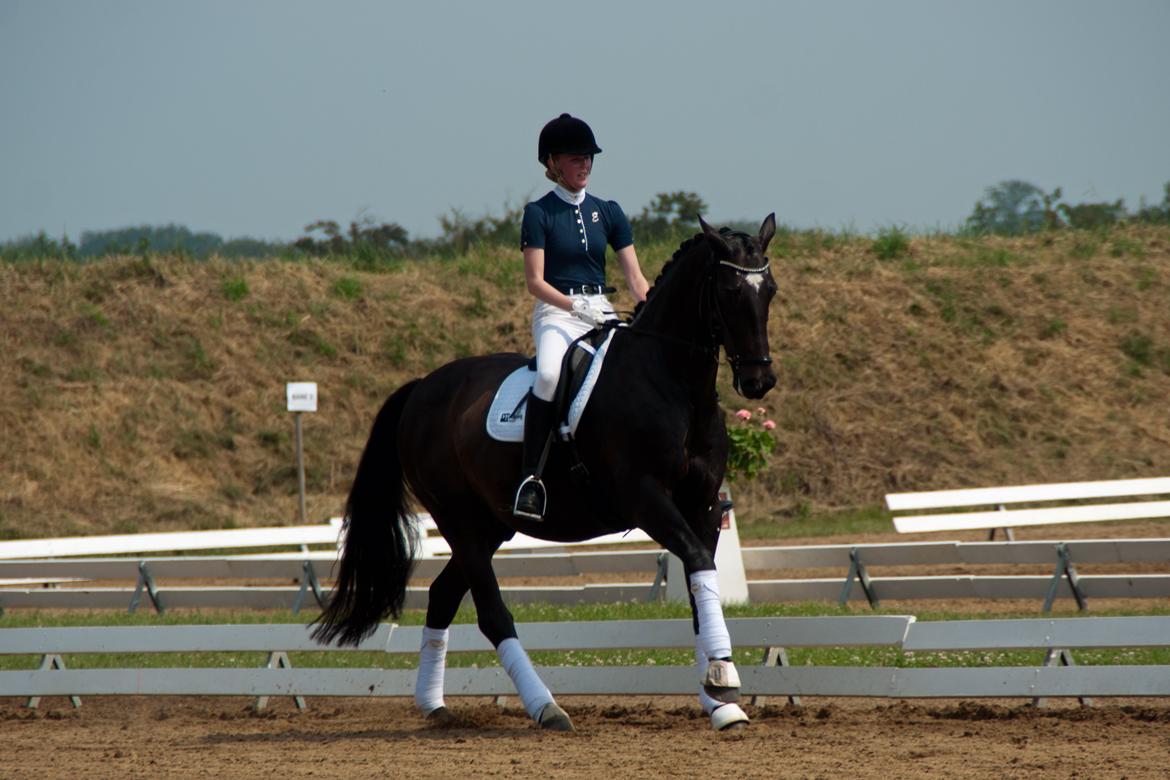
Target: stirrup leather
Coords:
[(533, 484)]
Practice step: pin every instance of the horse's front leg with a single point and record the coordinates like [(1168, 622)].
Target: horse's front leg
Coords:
[(666, 524), (495, 621), (706, 520)]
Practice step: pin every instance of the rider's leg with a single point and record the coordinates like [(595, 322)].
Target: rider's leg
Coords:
[(539, 418), (553, 330)]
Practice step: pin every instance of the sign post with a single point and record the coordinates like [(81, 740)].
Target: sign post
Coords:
[(302, 397)]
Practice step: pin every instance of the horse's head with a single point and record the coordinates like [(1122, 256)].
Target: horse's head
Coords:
[(742, 288)]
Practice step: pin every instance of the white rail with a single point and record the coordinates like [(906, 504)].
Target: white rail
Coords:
[(898, 632)]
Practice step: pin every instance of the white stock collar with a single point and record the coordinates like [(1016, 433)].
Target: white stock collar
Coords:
[(572, 198)]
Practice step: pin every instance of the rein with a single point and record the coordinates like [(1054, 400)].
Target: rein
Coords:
[(624, 327)]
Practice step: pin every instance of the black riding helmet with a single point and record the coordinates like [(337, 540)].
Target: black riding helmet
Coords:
[(565, 135)]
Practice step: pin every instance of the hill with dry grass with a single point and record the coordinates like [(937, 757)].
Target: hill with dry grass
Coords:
[(147, 393)]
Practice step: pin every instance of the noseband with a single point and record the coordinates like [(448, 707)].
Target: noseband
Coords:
[(735, 360)]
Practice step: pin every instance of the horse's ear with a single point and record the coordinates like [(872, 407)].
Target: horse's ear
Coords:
[(767, 230), (717, 243)]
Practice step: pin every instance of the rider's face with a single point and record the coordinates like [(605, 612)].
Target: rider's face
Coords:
[(575, 169)]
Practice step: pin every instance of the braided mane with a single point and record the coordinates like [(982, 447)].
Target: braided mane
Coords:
[(666, 269), (683, 249)]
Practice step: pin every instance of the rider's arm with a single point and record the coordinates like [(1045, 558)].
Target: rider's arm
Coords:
[(627, 260), (534, 278)]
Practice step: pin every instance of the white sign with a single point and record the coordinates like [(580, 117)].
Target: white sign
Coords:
[(302, 396)]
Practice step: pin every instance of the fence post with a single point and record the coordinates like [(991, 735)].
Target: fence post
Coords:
[(49, 662)]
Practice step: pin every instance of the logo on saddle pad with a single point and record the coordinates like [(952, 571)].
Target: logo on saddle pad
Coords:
[(505, 417)]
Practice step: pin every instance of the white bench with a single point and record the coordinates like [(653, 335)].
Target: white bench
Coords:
[(125, 544), (1029, 505)]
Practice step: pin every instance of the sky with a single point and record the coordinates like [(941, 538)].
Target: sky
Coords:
[(258, 117)]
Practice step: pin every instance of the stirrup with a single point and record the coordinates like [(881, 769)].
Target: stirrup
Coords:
[(529, 511)]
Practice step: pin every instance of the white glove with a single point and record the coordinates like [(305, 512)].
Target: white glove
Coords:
[(586, 313)]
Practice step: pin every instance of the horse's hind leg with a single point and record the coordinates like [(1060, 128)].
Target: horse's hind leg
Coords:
[(495, 621), (446, 593)]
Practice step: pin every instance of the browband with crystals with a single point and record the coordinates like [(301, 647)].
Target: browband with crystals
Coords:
[(743, 270)]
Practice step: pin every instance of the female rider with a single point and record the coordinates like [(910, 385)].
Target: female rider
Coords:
[(563, 237)]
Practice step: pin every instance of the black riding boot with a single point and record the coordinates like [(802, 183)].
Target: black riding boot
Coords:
[(531, 499)]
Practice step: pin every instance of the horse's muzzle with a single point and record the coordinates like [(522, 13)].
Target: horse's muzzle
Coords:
[(755, 382)]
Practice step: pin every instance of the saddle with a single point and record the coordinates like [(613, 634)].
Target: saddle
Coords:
[(580, 368)]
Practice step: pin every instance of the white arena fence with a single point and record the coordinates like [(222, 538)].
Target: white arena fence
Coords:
[(1057, 677), (299, 579), (1007, 507)]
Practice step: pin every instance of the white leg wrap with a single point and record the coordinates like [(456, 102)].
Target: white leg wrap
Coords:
[(432, 663), (714, 638), (532, 691)]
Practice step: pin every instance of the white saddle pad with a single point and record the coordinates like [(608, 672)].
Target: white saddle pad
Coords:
[(505, 419)]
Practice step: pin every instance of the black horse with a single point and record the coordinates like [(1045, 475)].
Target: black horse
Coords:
[(652, 438)]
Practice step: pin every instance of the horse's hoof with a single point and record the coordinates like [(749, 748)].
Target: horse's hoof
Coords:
[(728, 718), (553, 718), (440, 717)]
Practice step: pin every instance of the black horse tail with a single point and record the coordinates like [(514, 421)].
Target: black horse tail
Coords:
[(380, 537)]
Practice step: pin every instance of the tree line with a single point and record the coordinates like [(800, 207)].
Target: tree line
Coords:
[(364, 239), (1016, 207), (1012, 207)]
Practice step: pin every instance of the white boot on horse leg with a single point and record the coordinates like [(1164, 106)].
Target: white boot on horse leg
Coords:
[(720, 678), (723, 715), (432, 664), (537, 699)]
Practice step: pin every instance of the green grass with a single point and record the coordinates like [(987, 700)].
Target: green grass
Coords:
[(531, 613), (235, 288), (312, 341), (347, 287), (804, 523), (891, 243)]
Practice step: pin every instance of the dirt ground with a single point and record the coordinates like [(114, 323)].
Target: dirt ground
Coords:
[(192, 737), (357, 738)]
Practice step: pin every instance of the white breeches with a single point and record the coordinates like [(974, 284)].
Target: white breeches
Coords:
[(553, 330)]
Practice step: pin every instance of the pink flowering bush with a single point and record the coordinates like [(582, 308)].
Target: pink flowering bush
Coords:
[(751, 443)]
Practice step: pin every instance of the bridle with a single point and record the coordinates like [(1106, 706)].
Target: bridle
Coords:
[(719, 322)]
